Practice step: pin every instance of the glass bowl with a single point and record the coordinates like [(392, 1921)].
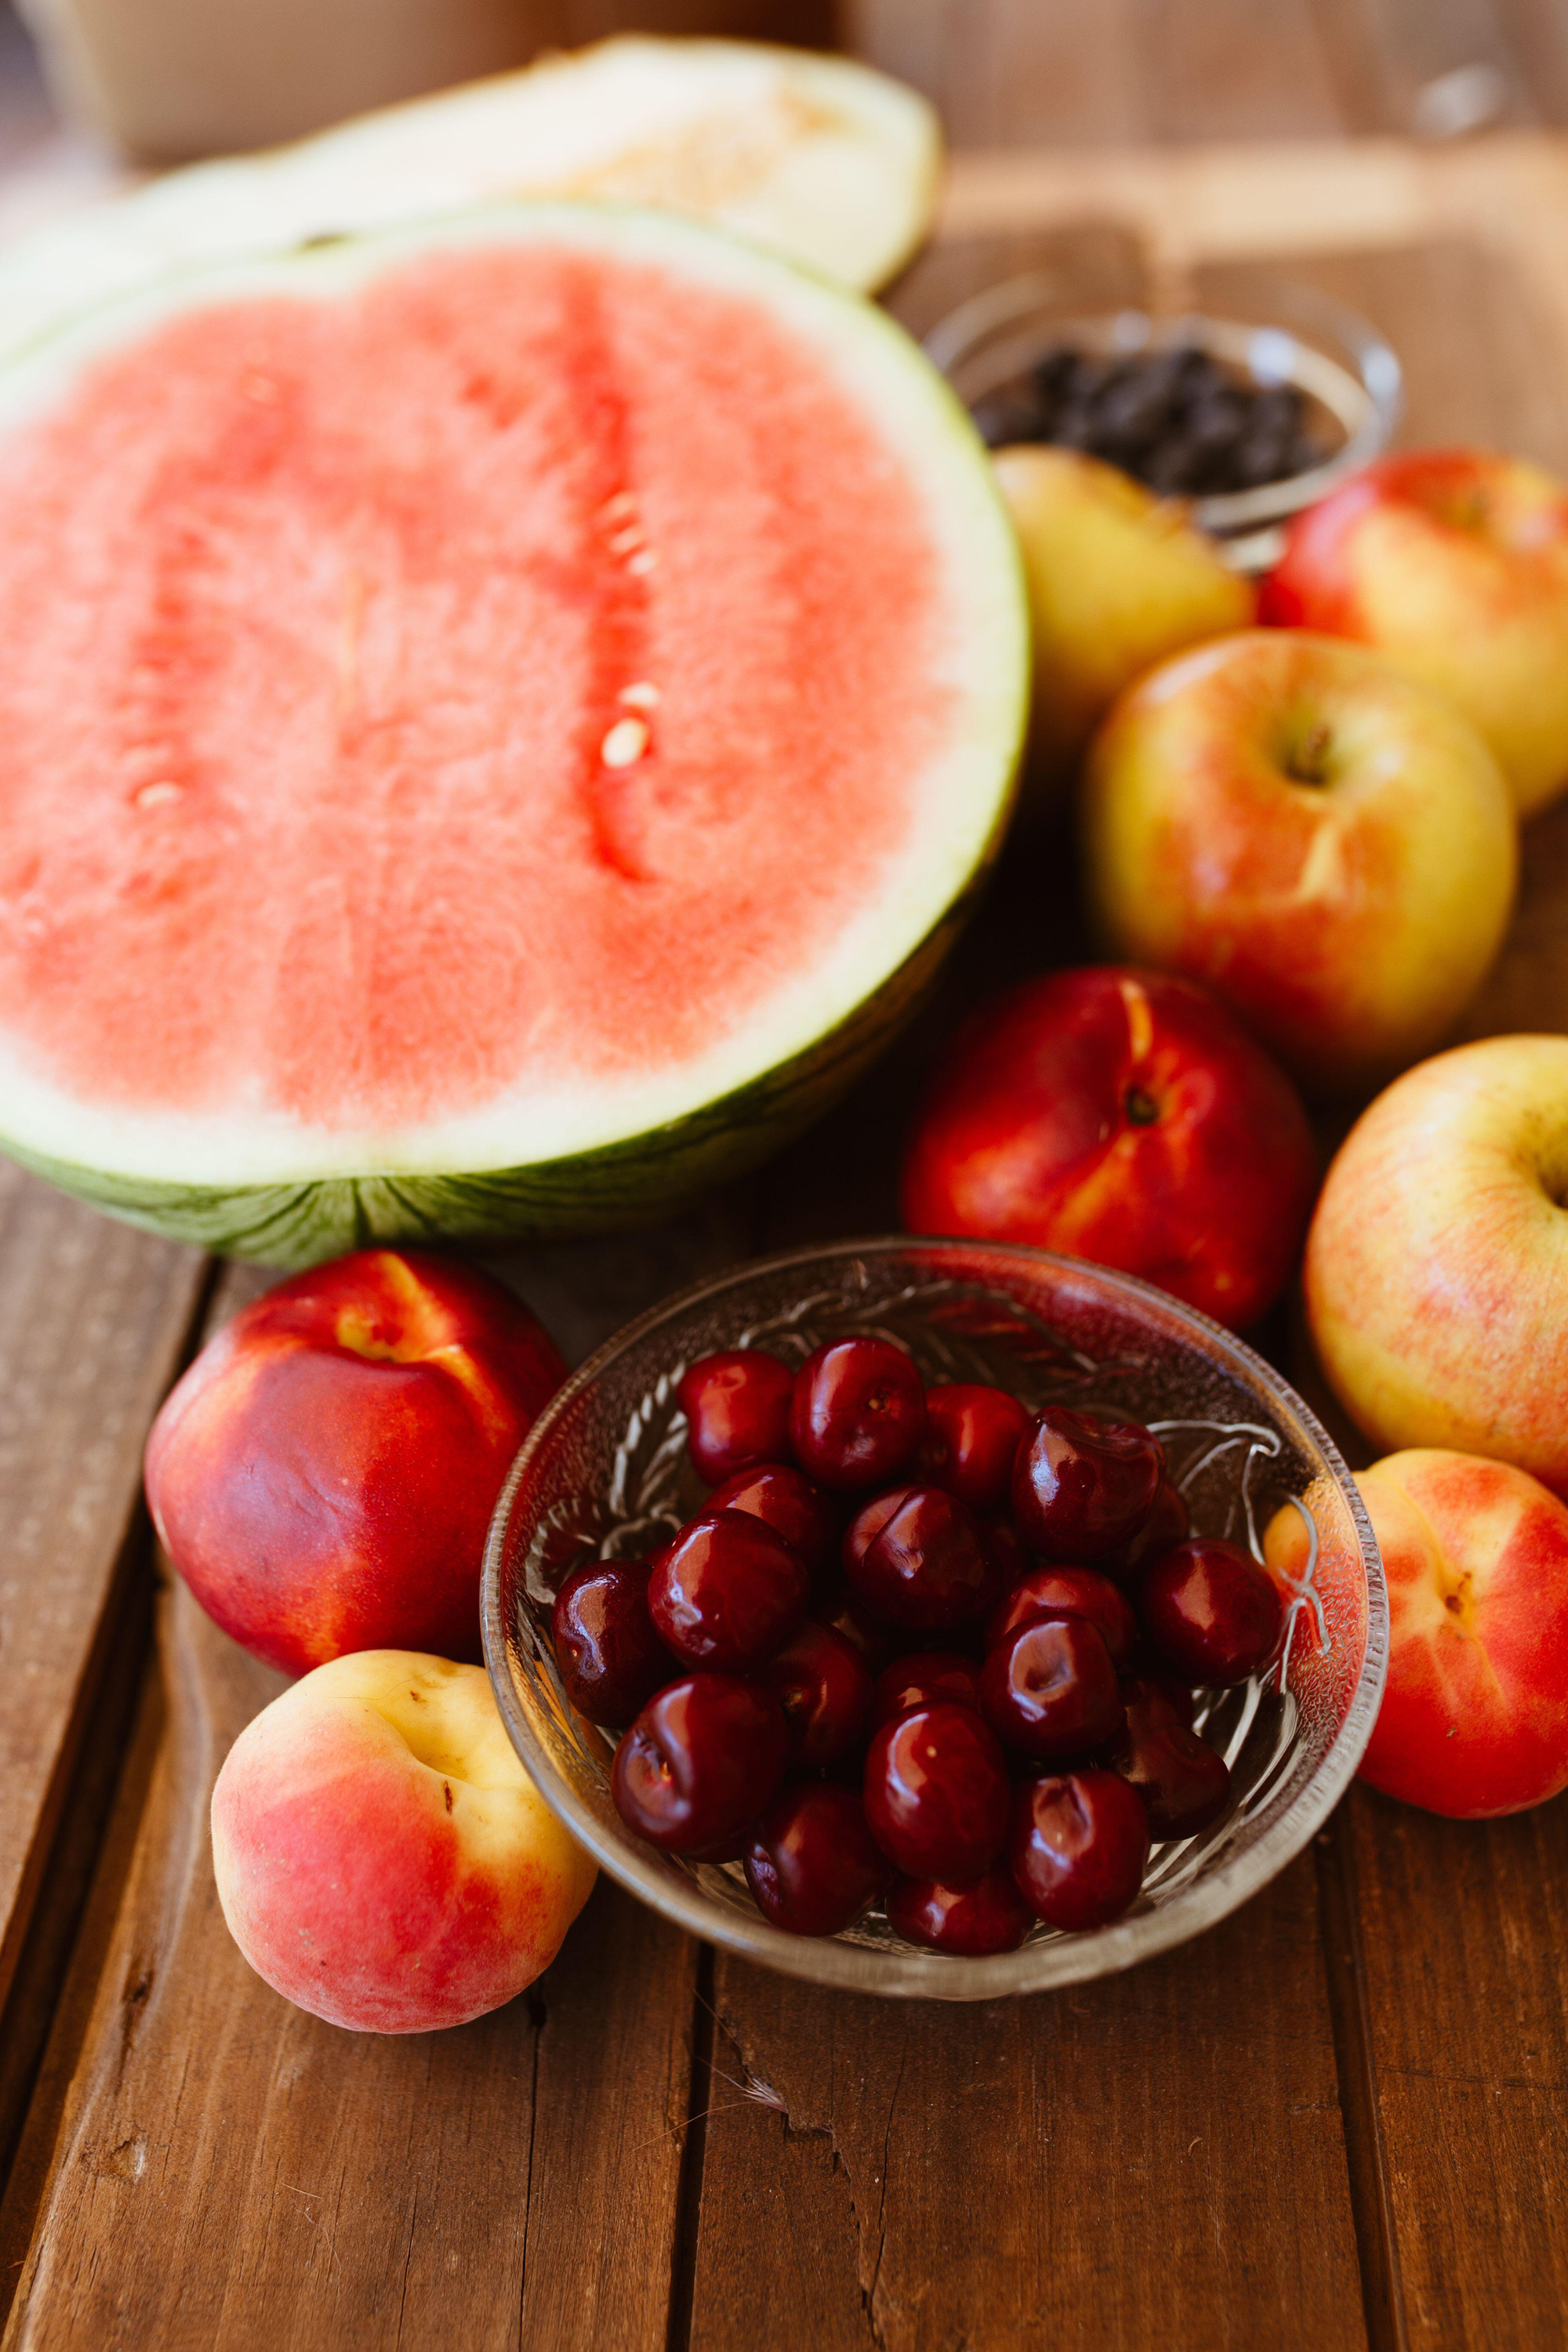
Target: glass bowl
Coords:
[(605, 1471), (1290, 334)]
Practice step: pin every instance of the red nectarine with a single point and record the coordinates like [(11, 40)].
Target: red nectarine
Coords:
[(323, 1476)]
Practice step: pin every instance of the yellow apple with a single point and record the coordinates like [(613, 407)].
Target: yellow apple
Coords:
[(1454, 563), (1325, 843), (1118, 578), (1436, 1270)]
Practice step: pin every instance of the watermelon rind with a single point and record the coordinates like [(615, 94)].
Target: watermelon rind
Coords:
[(611, 1158), (827, 161)]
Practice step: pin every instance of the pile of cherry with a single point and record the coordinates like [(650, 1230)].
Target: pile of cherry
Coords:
[(815, 1730)]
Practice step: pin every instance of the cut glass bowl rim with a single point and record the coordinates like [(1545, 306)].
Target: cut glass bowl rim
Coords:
[(908, 1972)]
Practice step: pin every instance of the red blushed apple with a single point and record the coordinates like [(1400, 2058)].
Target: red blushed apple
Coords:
[(382, 1857), (1474, 1719), (1436, 1268), (1453, 564), (323, 1475), (1124, 1116), (1325, 843)]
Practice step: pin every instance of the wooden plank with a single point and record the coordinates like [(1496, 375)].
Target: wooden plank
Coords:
[(210, 2166), (93, 1320), (1463, 1929), (1156, 2157)]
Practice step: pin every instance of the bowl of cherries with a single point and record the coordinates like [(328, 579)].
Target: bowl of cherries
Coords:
[(899, 1614)]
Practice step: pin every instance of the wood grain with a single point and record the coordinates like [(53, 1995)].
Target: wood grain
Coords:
[(1464, 1928), (223, 2170), (1153, 2158), (93, 1320)]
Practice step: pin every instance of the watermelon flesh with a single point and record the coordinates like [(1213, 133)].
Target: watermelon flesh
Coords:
[(470, 703)]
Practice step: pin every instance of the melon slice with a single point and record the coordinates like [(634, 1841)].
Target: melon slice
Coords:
[(499, 719), (829, 162)]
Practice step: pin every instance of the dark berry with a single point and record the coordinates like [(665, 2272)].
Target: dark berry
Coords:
[(857, 1414), (973, 1433), (1167, 1523), (737, 1411), (1077, 1845), (609, 1656), (936, 1792), (791, 1505), (727, 1591), (1210, 1612), (922, 1679), (703, 1757), (1184, 1783), (823, 1685), (927, 1565), (1050, 1689), (1073, 1591), (971, 1917), (811, 1864), (1081, 1487), (867, 1523)]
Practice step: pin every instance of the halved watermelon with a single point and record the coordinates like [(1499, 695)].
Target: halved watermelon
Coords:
[(832, 163), (498, 722)]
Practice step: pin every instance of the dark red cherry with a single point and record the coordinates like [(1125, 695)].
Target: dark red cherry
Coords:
[(1082, 1487), (1050, 1689), (1185, 1784), (974, 1918), (1073, 1591), (737, 1411), (813, 1865), (973, 1434), (704, 1756), (823, 1685), (858, 1415), (921, 1680), (791, 1505), (846, 1613), (609, 1656), (927, 1567), (727, 1591), (1210, 1612), (1166, 1524), (936, 1792), (1005, 1550), (1078, 1844), (867, 1523)]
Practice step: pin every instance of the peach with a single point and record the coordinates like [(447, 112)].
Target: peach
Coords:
[(1436, 1265), (1117, 577), (1454, 563), (1124, 1116), (1474, 1719), (323, 1474), (382, 1857), (1326, 843)]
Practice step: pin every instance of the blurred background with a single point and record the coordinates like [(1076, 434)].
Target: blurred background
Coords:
[(171, 79)]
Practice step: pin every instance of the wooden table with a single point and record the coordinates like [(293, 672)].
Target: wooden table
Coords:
[(1336, 2120)]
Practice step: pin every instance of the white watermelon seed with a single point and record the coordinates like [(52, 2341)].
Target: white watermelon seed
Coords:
[(626, 741)]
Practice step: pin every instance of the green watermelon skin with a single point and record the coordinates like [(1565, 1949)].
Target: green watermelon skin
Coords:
[(625, 1184), (291, 1220)]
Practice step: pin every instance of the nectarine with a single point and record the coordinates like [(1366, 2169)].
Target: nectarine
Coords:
[(323, 1474), (382, 1857), (1474, 1719)]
